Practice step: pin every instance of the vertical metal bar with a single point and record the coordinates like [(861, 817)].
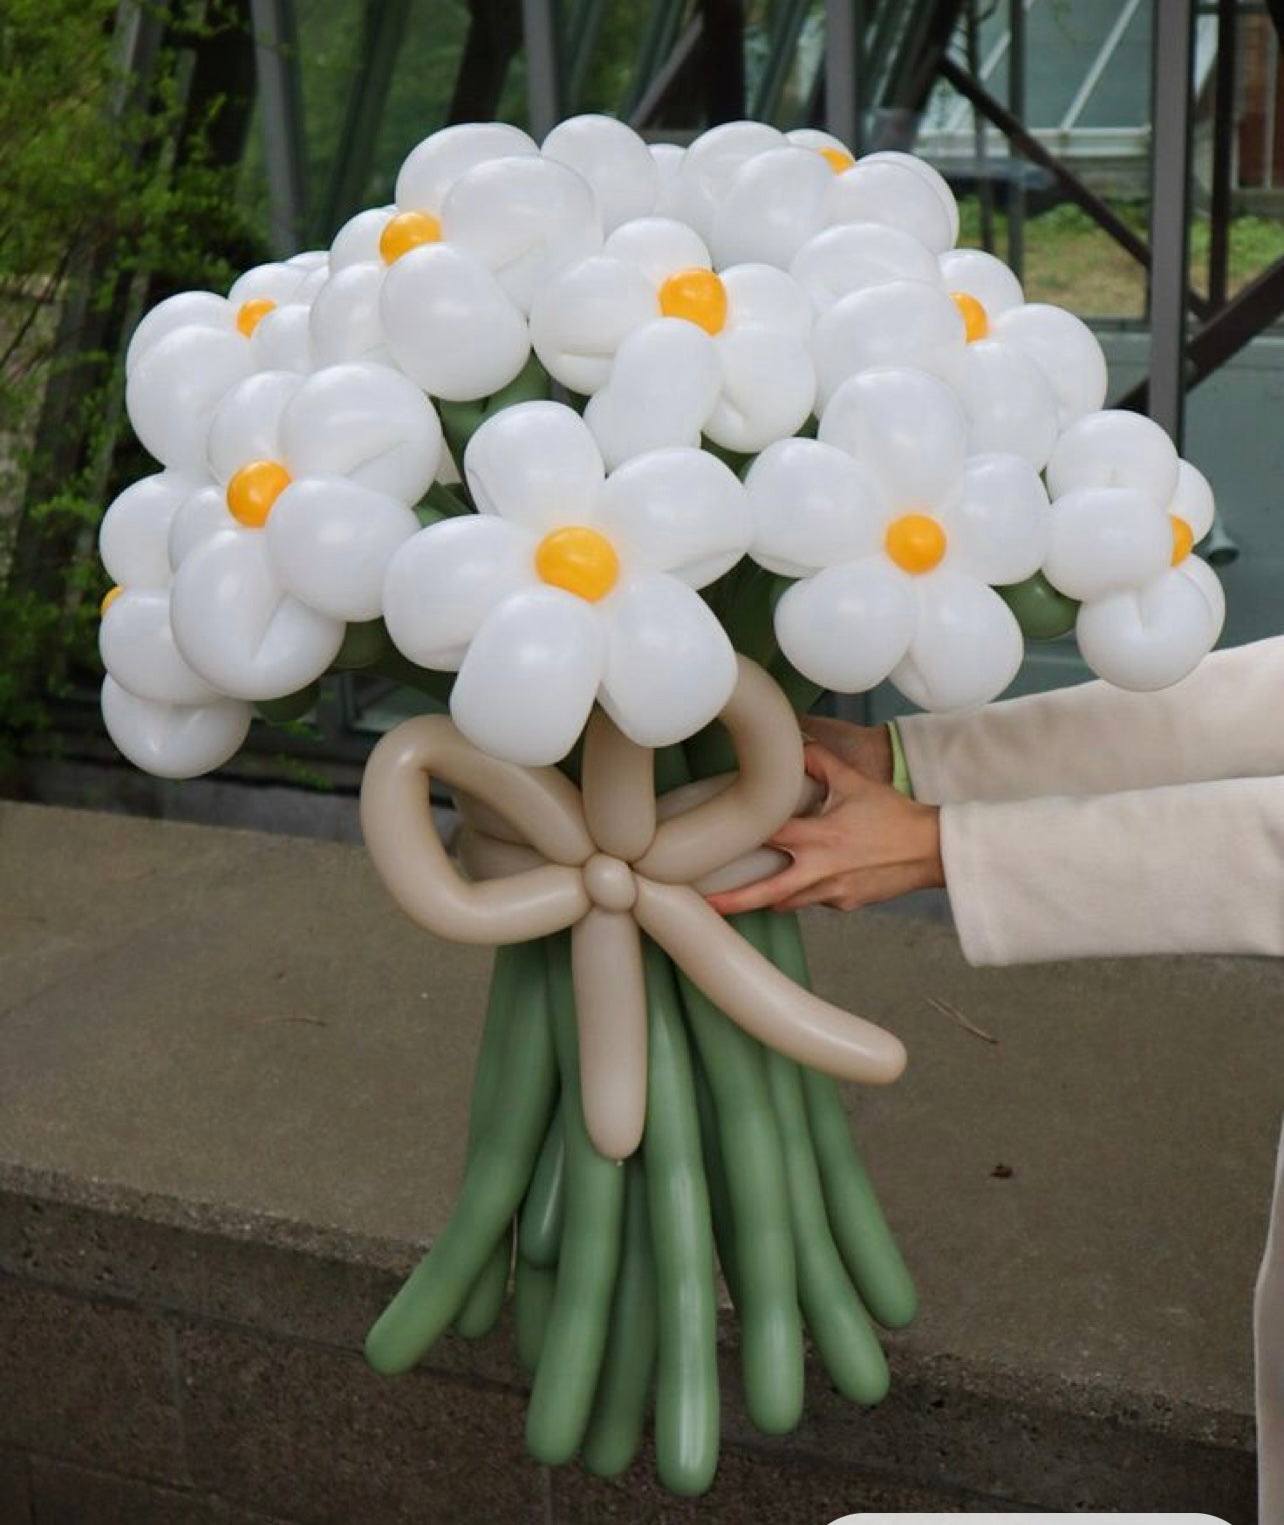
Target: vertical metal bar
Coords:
[(543, 65), (1016, 105), (276, 60), (980, 146), (842, 115), (1172, 52), (1268, 112), (1219, 211)]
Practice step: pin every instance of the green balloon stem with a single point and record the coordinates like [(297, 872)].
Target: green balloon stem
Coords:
[(1041, 611)]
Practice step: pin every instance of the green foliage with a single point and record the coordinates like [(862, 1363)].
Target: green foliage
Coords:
[(107, 189)]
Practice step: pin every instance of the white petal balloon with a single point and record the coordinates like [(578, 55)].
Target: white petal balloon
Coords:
[(987, 280), (247, 425), (890, 189), (187, 309), (366, 424), (1106, 540), (999, 527), (774, 204), (1192, 500), (928, 176), (346, 320), (1010, 404), (1149, 638), (967, 645), (236, 626), (614, 160), (531, 674), (202, 515), (813, 506), (1064, 349), (1114, 449), (450, 325), (435, 165), (711, 164), (134, 539), (665, 382), (902, 323), (443, 583), (173, 741), (906, 427), (579, 321), (176, 385), (330, 540), (537, 465), (854, 256), (768, 389), (523, 219), (669, 664), (676, 510), (667, 158), (138, 650), (848, 626), (658, 247)]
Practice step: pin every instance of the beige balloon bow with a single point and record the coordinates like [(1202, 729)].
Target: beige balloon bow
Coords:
[(605, 862)]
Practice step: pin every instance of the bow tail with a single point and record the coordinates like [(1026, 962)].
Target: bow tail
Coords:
[(758, 996), (610, 1006)]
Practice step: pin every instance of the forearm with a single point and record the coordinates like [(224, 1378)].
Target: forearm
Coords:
[(1195, 868), (1224, 721)]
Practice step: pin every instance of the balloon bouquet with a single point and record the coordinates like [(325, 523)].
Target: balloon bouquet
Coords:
[(625, 454)]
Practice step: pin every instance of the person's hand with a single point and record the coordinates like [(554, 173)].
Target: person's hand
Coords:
[(867, 748), (866, 844)]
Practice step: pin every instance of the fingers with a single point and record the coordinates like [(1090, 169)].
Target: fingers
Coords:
[(763, 892)]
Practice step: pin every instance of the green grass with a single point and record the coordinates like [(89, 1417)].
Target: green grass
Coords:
[(1069, 260)]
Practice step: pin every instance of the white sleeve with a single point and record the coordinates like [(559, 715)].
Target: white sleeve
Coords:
[(1192, 868), (1226, 720)]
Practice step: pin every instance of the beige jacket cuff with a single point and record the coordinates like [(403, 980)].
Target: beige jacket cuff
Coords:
[(1224, 721), (1185, 869)]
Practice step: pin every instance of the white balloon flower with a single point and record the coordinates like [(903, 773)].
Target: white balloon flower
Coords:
[(1126, 512), (313, 485), (190, 350), (571, 586), (162, 715), (1024, 371), (1030, 369), (439, 284), (897, 536), (739, 370), (775, 201)]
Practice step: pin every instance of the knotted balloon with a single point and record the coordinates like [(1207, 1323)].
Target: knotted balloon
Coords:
[(603, 861)]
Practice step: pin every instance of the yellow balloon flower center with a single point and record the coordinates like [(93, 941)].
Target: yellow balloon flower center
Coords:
[(407, 231), (696, 295), (974, 319), (1183, 539), (109, 598), (254, 489), (915, 542), (579, 560), (840, 161), (250, 314)]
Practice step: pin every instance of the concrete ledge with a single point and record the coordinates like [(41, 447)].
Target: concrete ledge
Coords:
[(232, 1086)]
